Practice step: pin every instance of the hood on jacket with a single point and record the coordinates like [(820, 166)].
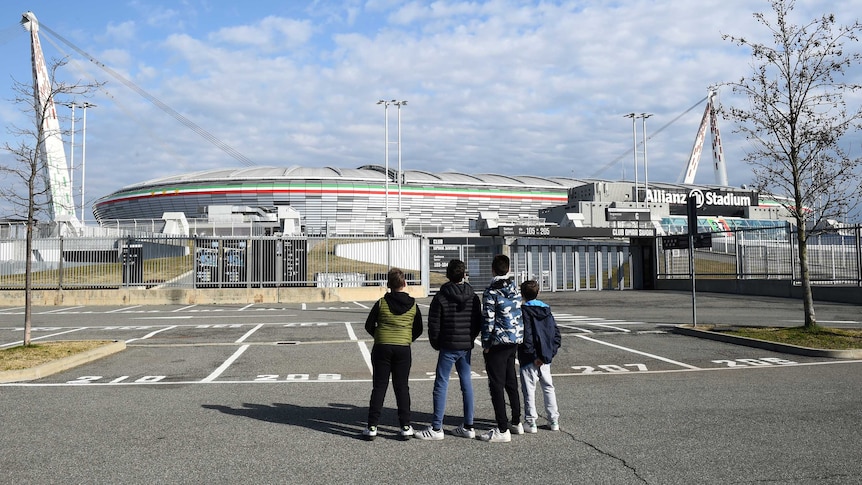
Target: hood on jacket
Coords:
[(505, 285), (458, 293), (535, 302), (399, 302), (539, 311)]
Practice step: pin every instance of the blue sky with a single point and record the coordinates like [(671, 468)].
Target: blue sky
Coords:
[(510, 87)]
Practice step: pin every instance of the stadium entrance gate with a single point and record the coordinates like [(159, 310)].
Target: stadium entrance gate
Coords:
[(557, 264)]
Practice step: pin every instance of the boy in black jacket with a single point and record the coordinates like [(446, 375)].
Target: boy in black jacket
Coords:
[(541, 342), (454, 321)]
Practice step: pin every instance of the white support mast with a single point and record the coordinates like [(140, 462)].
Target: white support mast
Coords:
[(52, 154), (717, 150), (709, 118)]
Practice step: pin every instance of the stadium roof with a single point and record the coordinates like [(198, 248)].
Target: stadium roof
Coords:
[(365, 173)]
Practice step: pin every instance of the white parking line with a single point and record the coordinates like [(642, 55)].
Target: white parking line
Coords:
[(363, 348), (123, 309), (366, 354), (248, 334), (350, 331), (43, 337), (349, 381), (226, 364), (657, 357), (184, 308), (58, 310), (151, 334), (210, 317), (620, 329), (247, 306)]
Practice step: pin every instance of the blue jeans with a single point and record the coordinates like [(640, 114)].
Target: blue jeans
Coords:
[(445, 360)]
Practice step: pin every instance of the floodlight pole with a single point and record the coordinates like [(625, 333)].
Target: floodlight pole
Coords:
[(85, 105), (386, 153), (644, 116), (400, 174), (72, 154), (634, 117)]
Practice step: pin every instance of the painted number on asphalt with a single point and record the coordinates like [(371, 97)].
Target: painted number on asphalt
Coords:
[(612, 368), (296, 377), (764, 361), (92, 379)]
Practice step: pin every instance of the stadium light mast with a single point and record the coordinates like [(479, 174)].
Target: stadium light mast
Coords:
[(400, 173), (72, 106), (634, 117), (84, 105), (386, 150), (644, 117)]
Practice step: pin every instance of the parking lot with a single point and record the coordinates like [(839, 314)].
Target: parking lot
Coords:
[(639, 404), (312, 343)]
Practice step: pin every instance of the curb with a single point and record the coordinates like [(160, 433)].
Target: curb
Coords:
[(766, 345), (60, 365)]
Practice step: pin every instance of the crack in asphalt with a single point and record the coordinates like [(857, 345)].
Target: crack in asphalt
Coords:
[(610, 455)]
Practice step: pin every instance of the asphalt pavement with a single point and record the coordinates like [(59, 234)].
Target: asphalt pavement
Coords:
[(279, 394)]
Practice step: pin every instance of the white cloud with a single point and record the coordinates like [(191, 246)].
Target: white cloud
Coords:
[(499, 86), (271, 33)]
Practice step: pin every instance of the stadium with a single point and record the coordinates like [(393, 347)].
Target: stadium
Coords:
[(341, 201), (356, 201)]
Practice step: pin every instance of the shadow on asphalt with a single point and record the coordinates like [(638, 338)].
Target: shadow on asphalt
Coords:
[(338, 419)]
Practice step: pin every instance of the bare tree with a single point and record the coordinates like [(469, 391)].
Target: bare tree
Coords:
[(25, 186), (796, 119)]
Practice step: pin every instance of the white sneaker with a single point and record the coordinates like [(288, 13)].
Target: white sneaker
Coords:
[(369, 433), (496, 436), (554, 425), (406, 432), (531, 427), (464, 432), (516, 428), (429, 434)]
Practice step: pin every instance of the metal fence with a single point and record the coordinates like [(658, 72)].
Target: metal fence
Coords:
[(328, 261), (573, 265), (208, 262), (834, 258)]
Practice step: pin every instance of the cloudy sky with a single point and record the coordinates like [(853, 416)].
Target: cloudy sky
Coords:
[(499, 86)]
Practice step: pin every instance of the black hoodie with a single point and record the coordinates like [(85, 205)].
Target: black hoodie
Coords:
[(455, 317)]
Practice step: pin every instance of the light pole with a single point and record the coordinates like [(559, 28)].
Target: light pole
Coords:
[(400, 175), (644, 116), (634, 117), (72, 154), (386, 149), (85, 105)]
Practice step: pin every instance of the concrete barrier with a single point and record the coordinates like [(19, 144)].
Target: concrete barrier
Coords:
[(201, 296)]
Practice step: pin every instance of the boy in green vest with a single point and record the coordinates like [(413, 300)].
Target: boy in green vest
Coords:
[(394, 322)]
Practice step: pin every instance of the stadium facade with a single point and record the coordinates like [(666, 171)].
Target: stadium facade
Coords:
[(341, 201), (356, 201)]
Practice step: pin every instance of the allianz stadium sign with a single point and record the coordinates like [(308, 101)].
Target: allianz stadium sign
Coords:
[(717, 202)]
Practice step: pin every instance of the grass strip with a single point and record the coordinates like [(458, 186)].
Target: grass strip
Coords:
[(815, 338), (25, 357)]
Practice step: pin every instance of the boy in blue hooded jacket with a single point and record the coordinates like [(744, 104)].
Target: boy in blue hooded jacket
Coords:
[(541, 342)]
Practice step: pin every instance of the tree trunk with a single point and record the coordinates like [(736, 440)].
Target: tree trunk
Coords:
[(807, 295), (28, 282)]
